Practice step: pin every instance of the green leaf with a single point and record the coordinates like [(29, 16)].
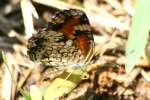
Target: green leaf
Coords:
[(35, 93), (138, 34), (63, 84)]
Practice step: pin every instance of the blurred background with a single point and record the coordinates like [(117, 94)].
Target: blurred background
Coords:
[(107, 80)]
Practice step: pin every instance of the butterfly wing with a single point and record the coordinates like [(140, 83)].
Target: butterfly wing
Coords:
[(68, 40)]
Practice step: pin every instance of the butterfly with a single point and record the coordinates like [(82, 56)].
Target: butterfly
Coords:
[(66, 41)]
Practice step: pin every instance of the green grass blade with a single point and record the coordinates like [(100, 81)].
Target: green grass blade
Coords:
[(24, 93), (138, 34)]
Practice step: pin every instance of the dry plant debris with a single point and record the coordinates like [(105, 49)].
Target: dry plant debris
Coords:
[(105, 80)]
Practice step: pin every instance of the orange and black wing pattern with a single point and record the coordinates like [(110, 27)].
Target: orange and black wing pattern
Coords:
[(68, 40)]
